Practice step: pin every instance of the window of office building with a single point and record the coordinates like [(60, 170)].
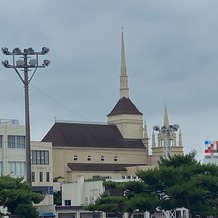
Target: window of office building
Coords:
[(40, 157), (1, 141), (15, 141), (16, 168), (33, 176), (41, 176), (1, 168), (47, 177)]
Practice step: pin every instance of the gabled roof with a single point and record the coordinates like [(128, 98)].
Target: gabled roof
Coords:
[(99, 167), (124, 106), (89, 135)]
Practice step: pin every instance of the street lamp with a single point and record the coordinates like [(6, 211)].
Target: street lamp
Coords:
[(167, 133), (22, 64)]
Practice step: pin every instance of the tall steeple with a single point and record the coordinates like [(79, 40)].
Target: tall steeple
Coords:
[(124, 105), (125, 114), (166, 120), (124, 89)]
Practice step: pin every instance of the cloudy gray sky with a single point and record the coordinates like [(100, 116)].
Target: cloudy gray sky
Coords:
[(171, 54)]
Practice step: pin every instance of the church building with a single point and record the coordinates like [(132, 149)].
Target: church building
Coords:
[(112, 151)]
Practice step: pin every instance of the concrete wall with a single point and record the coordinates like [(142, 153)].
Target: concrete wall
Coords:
[(80, 192)]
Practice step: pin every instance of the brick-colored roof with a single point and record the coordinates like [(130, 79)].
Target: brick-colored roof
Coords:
[(89, 135), (99, 167), (124, 106)]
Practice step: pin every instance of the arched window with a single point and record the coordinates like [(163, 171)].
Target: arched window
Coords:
[(115, 158), (102, 158), (75, 158), (89, 158)]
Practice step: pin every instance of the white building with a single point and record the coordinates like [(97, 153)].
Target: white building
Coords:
[(13, 161), (12, 149), (81, 193), (42, 174), (78, 194)]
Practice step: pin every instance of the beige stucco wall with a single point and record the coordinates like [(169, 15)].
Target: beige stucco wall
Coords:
[(133, 170), (72, 176), (64, 155), (43, 146), (157, 152), (130, 125), (48, 201)]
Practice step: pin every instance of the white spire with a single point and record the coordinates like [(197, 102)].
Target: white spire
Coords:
[(145, 130), (180, 138), (166, 120), (124, 90), (153, 140)]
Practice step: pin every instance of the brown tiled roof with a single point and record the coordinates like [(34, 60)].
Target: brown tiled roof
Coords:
[(89, 135), (99, 167), (124, 106)]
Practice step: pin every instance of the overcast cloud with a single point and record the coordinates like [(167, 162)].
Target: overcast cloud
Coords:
[(171, 54)]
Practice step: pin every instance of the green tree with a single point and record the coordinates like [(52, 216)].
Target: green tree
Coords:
[(113, 204), (18, 198), (57, 198), (181, 181), (142, 203), (129, 201)]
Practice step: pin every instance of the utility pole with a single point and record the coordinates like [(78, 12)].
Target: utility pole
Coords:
[(24, 65)]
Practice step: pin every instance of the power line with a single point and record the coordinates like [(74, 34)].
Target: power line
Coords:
[(59, 103)]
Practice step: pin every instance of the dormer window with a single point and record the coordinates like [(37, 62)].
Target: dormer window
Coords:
[(115, 158), (75, 158), (89, 158), (102, 158)]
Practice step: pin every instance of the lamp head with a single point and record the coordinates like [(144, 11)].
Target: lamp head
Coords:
[(30, 50), (5, 50), (25, 51), (45, 50), (16, 51), (5, 63), (46, 62), (20, 63), (175, 127), (156, 128), (163, 128), (33, 62)]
